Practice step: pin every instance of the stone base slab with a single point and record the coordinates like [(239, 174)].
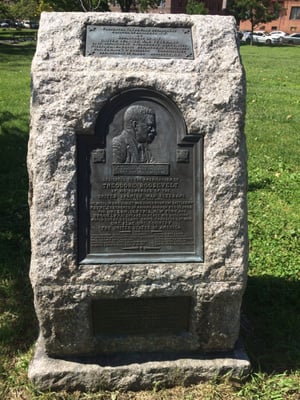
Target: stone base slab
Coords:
[(134, 371)]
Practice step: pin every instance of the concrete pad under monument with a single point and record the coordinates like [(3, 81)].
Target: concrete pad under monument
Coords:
[(137, 167)]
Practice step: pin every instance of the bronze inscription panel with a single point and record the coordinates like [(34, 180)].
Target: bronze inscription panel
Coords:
[(138, 41), (144, 201), (141, 316)]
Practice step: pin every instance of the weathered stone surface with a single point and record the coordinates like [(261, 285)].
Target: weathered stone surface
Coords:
[(69, 91), (135, 371)]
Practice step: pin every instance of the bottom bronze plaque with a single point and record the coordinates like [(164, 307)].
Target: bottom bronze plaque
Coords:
[(141, 316)]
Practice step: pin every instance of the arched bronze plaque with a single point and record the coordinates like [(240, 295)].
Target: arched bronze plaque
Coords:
[(140, 184)]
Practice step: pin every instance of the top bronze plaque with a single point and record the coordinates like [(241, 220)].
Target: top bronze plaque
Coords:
[(140, 42)]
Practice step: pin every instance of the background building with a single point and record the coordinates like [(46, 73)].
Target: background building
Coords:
[(289, 20)]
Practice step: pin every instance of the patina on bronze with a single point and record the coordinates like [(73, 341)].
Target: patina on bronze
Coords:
[(141, 316), (139, 41), (140, 185)]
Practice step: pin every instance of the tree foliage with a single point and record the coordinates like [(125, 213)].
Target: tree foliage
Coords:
[(137, 5), (94, 5), (256, 11), (5, 11), (26, 9), (45, 6), (196, 7), (63, 5), (31, 9)]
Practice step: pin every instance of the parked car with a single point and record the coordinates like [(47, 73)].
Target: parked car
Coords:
[(264, 37), (278, 34), (294, 38), (5, 24), (30, 24), (26, 24), (245, 37), (19, 25)]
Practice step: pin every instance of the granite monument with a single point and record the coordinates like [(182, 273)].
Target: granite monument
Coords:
[(137, 167)]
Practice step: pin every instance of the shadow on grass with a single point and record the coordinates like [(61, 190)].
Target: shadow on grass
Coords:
[(271, 323), (14, 220), (262, 184), (22, 49), (18, 324)]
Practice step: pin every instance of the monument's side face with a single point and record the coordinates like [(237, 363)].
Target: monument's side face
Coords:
[(137, 166)]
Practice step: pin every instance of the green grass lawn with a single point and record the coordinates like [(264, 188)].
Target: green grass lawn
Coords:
[(17, 34), (272, 300), (271, 307)]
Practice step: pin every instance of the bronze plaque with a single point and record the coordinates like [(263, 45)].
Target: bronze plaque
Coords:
[(139, 41), (143, 199), (141, 316)]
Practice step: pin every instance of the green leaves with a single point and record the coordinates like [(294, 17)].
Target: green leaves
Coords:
[(256, 11), (196, 7)]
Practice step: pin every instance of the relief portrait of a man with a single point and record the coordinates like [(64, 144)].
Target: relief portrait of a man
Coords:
[(139, 130)]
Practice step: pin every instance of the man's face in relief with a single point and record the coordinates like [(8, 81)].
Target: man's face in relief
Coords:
[(145, 129)]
